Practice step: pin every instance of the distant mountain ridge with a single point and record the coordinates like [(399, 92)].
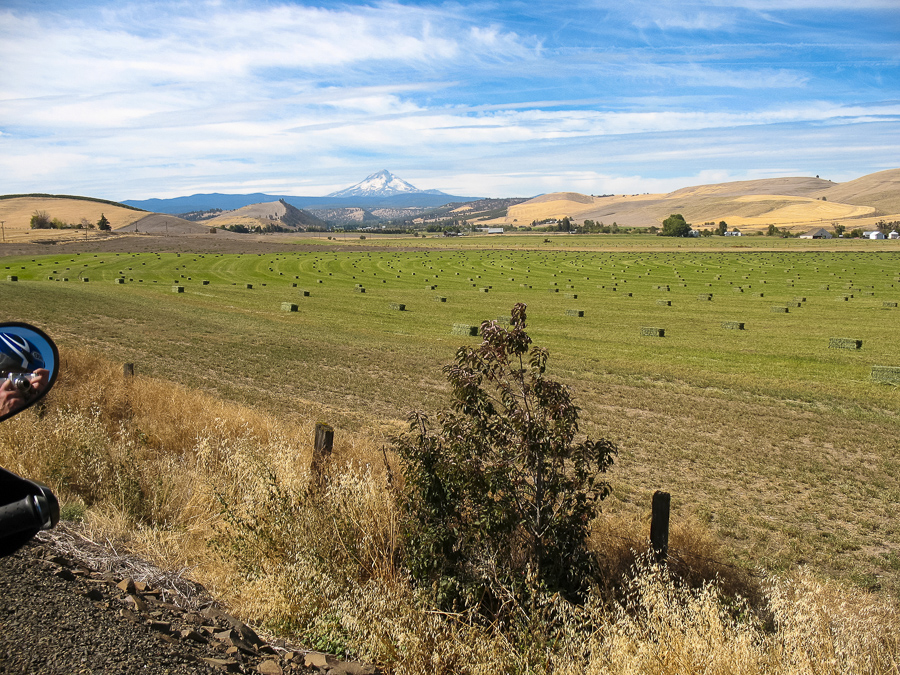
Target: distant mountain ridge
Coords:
[(379, 190)]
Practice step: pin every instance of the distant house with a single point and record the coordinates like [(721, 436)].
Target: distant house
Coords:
[(874, 234), (694, 233), (894, 235), (817, 234), (734, 233)]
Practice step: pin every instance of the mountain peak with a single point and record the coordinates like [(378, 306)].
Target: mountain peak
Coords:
[(381, 184)]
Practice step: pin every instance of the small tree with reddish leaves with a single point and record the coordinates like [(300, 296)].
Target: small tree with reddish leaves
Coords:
[(501, 493)]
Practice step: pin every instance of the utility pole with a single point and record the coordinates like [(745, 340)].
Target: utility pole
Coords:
[(2, 227)]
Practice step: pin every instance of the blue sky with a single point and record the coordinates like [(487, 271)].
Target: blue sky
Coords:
[(131, 100)]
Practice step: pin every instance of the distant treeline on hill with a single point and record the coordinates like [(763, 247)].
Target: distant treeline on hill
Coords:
[(195, 216), (84, 199)]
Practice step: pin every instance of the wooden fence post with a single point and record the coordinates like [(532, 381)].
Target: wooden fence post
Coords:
[(324, 444), (128, 370), (659, 525)]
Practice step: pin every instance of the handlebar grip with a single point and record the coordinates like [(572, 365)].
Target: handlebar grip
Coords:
[(19, 516)]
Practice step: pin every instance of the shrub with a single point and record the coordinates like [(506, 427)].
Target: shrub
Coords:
[(500, 496), (40, 220)]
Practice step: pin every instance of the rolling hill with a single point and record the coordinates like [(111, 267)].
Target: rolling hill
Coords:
[(790, 203), (793, 203), (16, 212), (276, 213)]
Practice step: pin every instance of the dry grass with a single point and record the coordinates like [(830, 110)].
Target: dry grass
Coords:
[(17, 212), (791, 204), (225, 493)]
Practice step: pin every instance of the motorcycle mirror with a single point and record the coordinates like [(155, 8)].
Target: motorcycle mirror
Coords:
[(29, 364)]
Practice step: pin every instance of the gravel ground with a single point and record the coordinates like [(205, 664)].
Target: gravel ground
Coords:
[(60, 616)]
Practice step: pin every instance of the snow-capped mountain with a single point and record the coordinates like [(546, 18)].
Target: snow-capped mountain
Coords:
[(382, 184)]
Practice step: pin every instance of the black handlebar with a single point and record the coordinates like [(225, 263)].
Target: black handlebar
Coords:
[(28, 507)]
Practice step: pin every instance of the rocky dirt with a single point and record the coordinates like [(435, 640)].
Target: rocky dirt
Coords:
[(71, 607)]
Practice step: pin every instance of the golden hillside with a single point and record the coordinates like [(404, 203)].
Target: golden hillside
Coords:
[(16, 215), (879, 190), (794, 203)]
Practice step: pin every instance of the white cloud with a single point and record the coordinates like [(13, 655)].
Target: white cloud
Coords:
[(226, 94)]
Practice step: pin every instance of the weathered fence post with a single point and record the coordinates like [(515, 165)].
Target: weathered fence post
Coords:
[(129, 370), (324, 444), (659, 525)]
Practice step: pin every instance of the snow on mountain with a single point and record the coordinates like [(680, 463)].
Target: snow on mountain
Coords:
[(381, 184)]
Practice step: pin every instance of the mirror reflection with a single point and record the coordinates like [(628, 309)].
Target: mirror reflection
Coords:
[(29, 363)]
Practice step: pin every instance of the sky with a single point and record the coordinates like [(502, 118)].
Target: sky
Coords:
[(132, 100)]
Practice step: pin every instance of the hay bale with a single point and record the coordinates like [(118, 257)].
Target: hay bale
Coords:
[(737, 289), (664, 303), (844, 343), (359, 289), (85, 279), (799, 299), (483, 290), (571, 296), (120, 281), (12, 277), (178, 289), (575, 312), (780, 309), (554, 290), (888, 374), (464, 329), (304, 293), (289, 307), (205, 282), (398, 306), (248, 286), (733, 325), (440, 298), (653, 332), (888, 303), (703, 297)]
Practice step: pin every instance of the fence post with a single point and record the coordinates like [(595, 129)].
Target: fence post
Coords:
[(128, 370), (659, 525), (324, 444)]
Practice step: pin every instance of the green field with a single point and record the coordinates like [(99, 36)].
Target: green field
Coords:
[(783, 446)]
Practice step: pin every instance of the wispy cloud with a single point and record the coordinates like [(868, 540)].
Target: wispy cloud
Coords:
[(161, 98)]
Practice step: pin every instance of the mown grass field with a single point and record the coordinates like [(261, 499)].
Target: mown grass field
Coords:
[(783, 447)]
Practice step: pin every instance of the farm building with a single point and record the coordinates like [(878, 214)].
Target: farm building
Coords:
[(820, 233), (874, 234), (734, 233), (894, 235)]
